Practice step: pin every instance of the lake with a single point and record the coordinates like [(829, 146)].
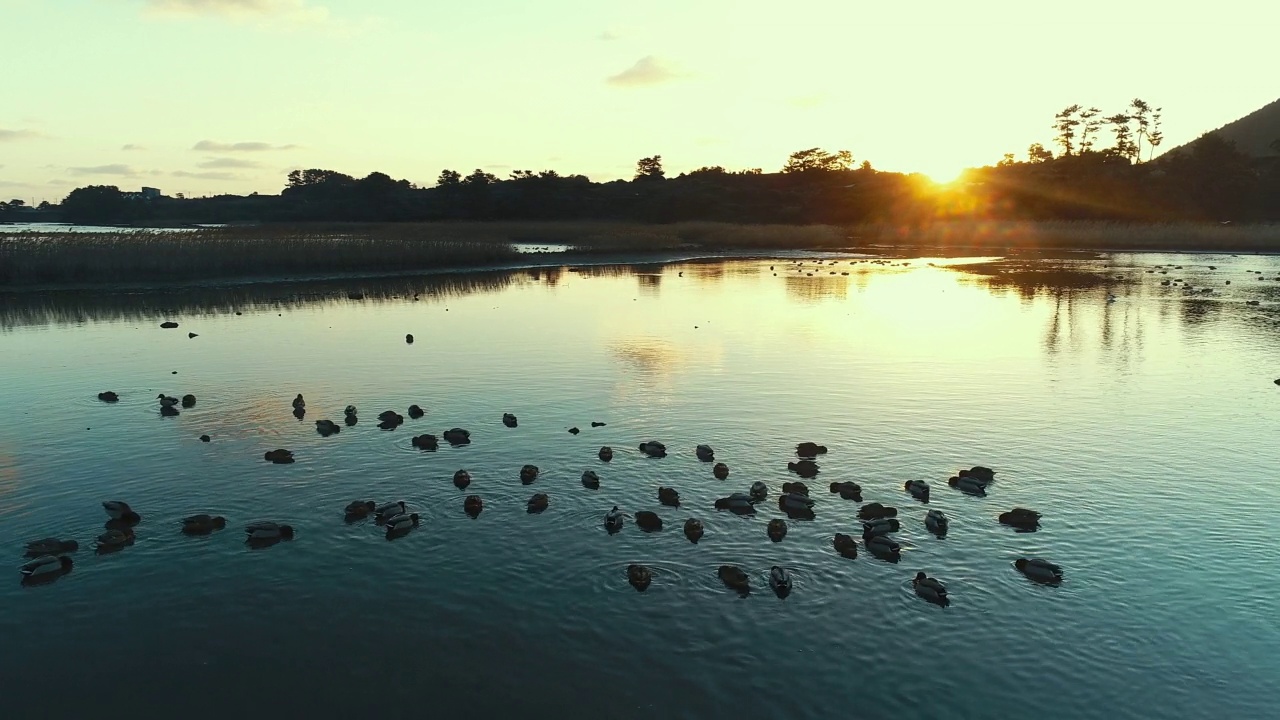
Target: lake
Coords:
[(1138, 425)]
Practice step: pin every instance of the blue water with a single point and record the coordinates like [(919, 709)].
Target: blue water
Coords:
[(1143, 428)]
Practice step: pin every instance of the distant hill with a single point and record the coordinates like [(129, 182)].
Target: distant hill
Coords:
[(1253, 133)]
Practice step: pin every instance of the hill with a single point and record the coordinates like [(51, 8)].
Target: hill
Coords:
[(1253, 133)]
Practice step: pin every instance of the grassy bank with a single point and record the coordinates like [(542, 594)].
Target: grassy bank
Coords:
[(1009, 236)]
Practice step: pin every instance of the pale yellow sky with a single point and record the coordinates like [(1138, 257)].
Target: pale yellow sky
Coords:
[(227, 96)]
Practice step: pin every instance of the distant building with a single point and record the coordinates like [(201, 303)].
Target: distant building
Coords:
[(147, 193)]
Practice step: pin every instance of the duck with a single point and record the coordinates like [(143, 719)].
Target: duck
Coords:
[(597, 423), (299, 403), (120, 510), (461, 479), (875, 511), (108, 396), (349, 411), (639, 576), (279, 456), (759, 491), (804, 468), (51, 546), (457, 436), (1021, 518), (648, 521), (605, 454), (528, 473), (327, 427), (984, 475), (720, 471), (794, 502), (810, 450), (386, 511), (796, 488), (776, 529), (1039, 570), (509, 420), (416, 412), (390, 420), (402, 523), (425, 442), (574, 430), (918, 489), (46, 567), (653, 448), (693, 530), (848, 490), (114, 539), (359, 509), (845, 545), (740, 503), (881, 526), (733, 576), (930, 589), (188, 401), (614, 519), (668, 496), (780, 580), (473, 506), (203, 524), (266, 530), (705, 453), (168, 411), (936, 522), (167, 400), (881, 546), (967, 484), (538, 503), (590, 479)]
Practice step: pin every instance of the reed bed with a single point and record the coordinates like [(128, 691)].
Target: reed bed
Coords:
[(1005, 236)]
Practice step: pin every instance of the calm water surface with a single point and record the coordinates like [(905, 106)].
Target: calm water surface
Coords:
[(1143, 428)]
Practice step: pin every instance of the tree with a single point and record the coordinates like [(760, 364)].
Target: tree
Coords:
[(1089, 126), (1066, 122), (1007, 161), (817, 159), (94, 204), (448, 178), (1120, 125), (1155, 135), (1038, 153), (650, 168), (479, 178)]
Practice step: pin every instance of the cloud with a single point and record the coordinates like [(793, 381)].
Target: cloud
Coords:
[(61, 182), (213, 146), (14, 184), (206, 175), (608, 36), (648, 70), (113, 169), (15, 135), (213, 163), (236, 9), (131, 147)]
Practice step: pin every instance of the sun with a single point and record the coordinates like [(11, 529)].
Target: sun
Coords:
[(944, 175)]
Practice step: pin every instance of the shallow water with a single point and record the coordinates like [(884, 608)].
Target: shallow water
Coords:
[(1140, 428)]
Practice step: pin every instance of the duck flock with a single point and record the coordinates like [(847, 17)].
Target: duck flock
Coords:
[(51, 557)]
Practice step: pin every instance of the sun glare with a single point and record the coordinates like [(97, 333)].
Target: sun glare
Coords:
[(944, 176)]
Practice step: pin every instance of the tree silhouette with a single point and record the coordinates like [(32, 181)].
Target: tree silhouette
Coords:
[(650, 168), (819, 160)]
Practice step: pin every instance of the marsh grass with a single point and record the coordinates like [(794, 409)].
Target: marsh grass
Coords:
[(1010, 236)]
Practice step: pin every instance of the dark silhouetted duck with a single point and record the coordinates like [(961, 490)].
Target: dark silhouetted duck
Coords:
[(930, 589), (740, 503), (299, 403), (188, 401), (425, 442), (46, 568), (538, 503), (1021, 518), (759, 491), (528, 473), (780, 581), (720, 471), (167, 400), (848, 490), (51, 546), (473, 506), (919, 489), (804, 468), (936, 522), (1041, 571), (279, 456), (796, 506), (416, 412), (120, 510), (203, 524), (115, 539), (797, 488), (969, 485), (810, 450), (461, 479), (881, 526), (882, 546), (591, 480), (605, 454), (359, 509), (693, 529), (108, 396), (327, 427), (614, 519), (653, 448), (776, 529), (509, 420), (386, 511), (846, 545), (668, 496), (267, 531), (705, 453), (648, 521), (399, 525), (734, 577), (875, 511), (639, 576), (457, 436)]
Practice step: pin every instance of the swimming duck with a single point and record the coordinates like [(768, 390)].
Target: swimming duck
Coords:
[(653, 448), (591, 480), (457, 436), (848, 490), (705, 453), (473, 506), (984, 475), (930, 589), (668, 496), (968, 484), (788, 502), (266, 530), (46, 567), (936, 522), (759, 491), (108, 396), (605, 454), (119, 510), (327, 427), (425, 442), (349, 411), (919, 489), (875, 511), (614, 519), (574, 431), (528, 474), (804, 468), (51, 546), (461, 479), (279, 456), (639, 576), (846, 545), (203, 524), (1041, 571), (720, 471), (796, 488), (538, 503), (386, 511), (882, 546), (115, 538), (389, 420), (810, 450), (597, 423), (693, 529), (733, 576), (188, 401), (780, 580), (299, 403), (402, 523), (168, 411), (1021, 518), (648, 521), (416, 412), (358, 509), (740, 503), (776, 529), (408, 338), (882, 526), (167, 400), (509, 420)]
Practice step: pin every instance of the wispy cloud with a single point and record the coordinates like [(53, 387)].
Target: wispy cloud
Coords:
[(15, 135), (214, 146), (131, 147), (648, 70), (113, 169), (60, 183), (214, 163), (206, 175), (299, 10), (14, 184)]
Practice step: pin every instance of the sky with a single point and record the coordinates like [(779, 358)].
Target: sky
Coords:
[(207, 97)]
